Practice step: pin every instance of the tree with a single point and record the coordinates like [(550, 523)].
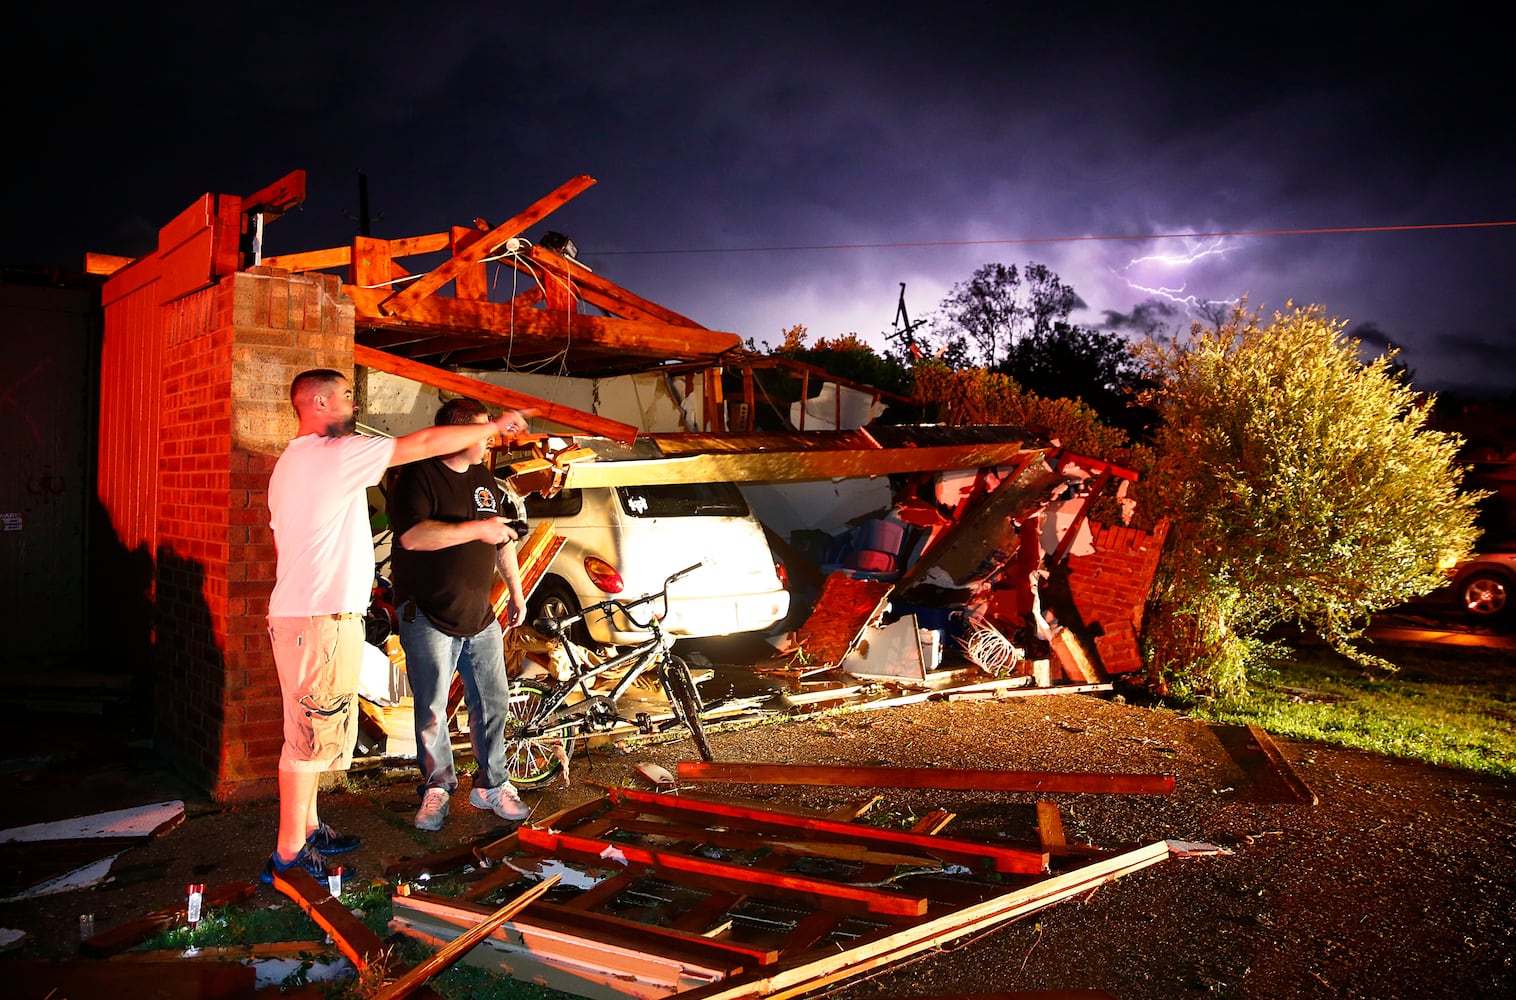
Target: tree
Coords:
[(1096, 367), (970, 396), (1301, 485), (998, 306)]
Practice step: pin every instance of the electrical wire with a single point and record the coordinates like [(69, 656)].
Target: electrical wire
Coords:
[(1325, 230)]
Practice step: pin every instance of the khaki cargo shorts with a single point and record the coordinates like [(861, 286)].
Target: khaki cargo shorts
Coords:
[(318, 659)]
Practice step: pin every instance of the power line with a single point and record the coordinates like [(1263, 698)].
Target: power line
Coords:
[(1068, 239)]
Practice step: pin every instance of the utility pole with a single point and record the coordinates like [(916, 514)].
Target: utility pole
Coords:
[(903, 327)]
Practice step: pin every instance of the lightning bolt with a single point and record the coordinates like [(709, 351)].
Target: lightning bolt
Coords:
[(1191, 303)]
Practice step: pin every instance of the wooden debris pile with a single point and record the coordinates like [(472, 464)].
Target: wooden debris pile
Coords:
[(704, 897), (975, 567)]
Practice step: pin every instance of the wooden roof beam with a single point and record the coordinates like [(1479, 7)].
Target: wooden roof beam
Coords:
[(499, 320), (439, 379), (596, 290), (796, 466), (406, 300)]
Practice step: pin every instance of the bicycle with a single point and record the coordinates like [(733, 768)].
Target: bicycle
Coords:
[(542, 723)]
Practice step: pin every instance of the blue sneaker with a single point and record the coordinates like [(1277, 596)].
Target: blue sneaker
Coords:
[(309, 859), (329, 841)]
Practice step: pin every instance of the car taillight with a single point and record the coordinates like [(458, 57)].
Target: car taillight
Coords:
[(603, 575), (783, 574)]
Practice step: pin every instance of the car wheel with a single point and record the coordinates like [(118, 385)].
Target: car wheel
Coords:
[(555, 599), (1485, 595)]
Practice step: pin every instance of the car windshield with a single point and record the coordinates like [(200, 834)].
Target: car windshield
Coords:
[(682, 500)]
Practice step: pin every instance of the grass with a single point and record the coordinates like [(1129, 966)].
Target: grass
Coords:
[(230, 926), (1452, 707)]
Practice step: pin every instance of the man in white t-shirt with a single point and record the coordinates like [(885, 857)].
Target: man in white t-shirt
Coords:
[(318, 506)]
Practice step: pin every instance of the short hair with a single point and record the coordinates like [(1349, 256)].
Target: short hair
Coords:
[(460, 411), (308, 382)]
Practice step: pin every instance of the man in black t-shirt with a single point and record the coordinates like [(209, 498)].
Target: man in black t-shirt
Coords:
[(452, 530)]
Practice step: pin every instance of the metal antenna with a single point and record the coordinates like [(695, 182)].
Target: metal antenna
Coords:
[(902, 325)]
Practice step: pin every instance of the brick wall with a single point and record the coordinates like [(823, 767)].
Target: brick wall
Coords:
[(230, 354), (1109, 588)]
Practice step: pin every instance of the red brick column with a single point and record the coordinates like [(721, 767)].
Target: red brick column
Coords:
[(1110, 588), (226, 417)]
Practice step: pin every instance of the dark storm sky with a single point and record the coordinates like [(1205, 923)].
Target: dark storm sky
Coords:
[(722, 130)]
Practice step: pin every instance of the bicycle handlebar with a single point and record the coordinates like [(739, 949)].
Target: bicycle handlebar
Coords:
[(612, 605)]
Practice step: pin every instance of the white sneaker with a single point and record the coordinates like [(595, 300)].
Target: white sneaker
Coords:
[(502, 800), (434, 806)]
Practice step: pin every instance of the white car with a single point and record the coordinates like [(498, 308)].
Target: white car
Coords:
[(625, 541)]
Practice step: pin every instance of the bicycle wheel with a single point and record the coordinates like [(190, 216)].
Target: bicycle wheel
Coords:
[(684, 698), (532, 757)]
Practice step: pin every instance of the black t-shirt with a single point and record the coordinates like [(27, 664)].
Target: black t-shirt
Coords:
[(452, 585)]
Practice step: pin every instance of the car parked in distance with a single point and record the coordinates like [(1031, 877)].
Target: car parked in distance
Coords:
[(1484, 585), (624, 541)]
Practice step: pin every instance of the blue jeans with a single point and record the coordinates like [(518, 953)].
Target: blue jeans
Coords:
[(431, 657)]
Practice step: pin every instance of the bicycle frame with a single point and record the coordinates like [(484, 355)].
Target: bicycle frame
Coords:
[(598, 712)]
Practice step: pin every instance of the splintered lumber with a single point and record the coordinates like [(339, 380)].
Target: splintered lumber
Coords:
[(730, 956), (821, 967), (1004, 859), (570, 956), (459, 946), (729, 876), (957, 778), (361, 945), (439, 378), (1297, 786), (475, 252), (753, 841), (118, 939)]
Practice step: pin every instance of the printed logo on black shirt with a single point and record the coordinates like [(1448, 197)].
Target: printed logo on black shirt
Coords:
[(484, 499)]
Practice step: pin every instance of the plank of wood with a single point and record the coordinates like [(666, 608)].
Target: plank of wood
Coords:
[(669, 941), (575, 964), (402, 301), (438, 378), (361, 945), (1296, 784), (129, 935), (1050, 828), (749, 841), (958, 778), (746, 879), (1003, 858), (459, 946), (933, 822), (803, 973)]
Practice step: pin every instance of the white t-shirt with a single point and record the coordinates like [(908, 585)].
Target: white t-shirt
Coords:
[(318, 506)]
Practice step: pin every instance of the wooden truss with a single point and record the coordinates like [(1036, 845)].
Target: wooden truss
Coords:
[(711, 899)]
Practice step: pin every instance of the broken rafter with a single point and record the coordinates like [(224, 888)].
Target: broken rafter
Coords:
[(809, 972), (729, 876), (459, 946), (799, 464), (478, 389), (404, 301), (597, 291), (956, 778), (504, 326), (1004, 859)]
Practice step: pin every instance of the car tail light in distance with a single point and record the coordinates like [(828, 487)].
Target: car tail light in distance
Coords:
[(603, 575)]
